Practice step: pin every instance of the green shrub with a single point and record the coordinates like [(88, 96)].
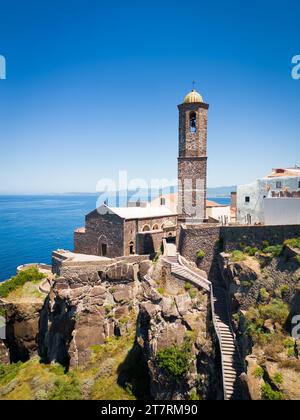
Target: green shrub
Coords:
[(237, 256), (201, 254), (274, 250), (258, 372), (266, 244), (264, 295), (176, 359), (68, 389), (276, 310), (32, 274), (291, 352), (187, 286), (161, 290), (284, 290), (293, 243), (194, 396), (193, 293), (250, 251), (278, 379), (269, 394), (297, 258), (289, 343)]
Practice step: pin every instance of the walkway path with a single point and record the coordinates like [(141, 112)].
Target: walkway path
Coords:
[(231, 363)]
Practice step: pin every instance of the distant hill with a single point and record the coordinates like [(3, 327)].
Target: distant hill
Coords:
[(220, 191), (211, 192)]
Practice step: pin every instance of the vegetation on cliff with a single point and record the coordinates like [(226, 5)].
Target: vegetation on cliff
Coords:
[(116, 370), (16, 282), (176, 359), (263, 318)]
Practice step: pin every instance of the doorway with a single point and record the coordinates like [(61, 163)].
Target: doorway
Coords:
[(103, 250)]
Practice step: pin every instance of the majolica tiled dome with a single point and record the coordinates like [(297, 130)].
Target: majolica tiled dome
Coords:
[(193, 96)]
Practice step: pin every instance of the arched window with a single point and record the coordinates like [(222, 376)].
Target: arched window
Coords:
[(146, 228), (193, 122), (131, 248), (155, 227)]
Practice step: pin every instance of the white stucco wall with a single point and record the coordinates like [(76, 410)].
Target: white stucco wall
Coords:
[(221, 213), (258, 191), (282, 211)]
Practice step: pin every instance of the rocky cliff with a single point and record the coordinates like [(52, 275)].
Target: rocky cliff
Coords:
[(264, 291), (169, 322)]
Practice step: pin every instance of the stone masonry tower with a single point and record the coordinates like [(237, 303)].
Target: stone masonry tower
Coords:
[(192, 160)]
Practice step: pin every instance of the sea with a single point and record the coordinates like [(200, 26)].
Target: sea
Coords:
[(32, 226)]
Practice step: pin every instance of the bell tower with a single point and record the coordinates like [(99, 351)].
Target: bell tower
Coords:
[(192, 160)]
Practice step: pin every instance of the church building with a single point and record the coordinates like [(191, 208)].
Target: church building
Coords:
[(122, 231)]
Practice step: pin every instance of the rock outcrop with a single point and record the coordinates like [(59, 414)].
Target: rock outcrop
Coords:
[(264, 293), (86, 310)]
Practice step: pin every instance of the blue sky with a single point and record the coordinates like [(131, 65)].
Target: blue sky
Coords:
[(93, 87)]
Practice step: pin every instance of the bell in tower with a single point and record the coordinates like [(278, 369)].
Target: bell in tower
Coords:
[(192, 160)]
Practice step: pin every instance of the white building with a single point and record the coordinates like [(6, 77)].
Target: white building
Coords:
[(220, 213), (272, 200)]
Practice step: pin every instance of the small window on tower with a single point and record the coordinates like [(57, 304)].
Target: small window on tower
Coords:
[(193, 122)]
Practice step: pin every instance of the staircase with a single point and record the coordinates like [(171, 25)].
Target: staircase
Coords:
[(231, 362)]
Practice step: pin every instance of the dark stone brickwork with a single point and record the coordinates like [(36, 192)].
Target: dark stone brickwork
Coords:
[(149, 242), (195, 238), (101, 229), (236, 237), (192, 162), (214, 239), (121, 236)]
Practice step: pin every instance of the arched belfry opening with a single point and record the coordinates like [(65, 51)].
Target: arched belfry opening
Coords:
[(193, 122)]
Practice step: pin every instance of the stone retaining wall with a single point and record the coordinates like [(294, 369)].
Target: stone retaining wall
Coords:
[(214, 239)]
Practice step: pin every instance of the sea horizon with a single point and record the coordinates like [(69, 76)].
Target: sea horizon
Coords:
[(34, 225)]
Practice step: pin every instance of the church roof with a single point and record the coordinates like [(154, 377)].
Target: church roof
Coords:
[(137, 212), (193, 96)]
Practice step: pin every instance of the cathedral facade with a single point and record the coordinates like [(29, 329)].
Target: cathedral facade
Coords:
[(116, 232)]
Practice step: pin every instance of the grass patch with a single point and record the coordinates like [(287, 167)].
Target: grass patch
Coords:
[(237, 256), (116, 370), (67, 388), (30, 275)]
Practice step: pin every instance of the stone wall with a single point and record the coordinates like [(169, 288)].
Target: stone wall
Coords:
[(149, 242), (236, 237), (195, 238), (214, 239), (107, 229)]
